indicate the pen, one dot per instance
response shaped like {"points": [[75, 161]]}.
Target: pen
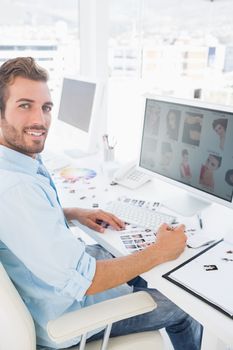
{"points": [[106, 142], [200, 221], [112, 142]]}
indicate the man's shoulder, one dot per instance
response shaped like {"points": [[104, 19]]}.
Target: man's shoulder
{"points": [[11, 179]]}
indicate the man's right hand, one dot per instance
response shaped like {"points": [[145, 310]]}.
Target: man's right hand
{"points": [[110, 273], [170, 242]]}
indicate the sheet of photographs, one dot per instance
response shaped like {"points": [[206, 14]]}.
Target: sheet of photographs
{"points": [[151, 205], [136, 238]]}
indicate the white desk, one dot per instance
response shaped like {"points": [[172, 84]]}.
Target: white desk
{"points": [[219, 221]]}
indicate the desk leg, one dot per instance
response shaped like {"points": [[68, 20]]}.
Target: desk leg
{"points": [[210, 341]]}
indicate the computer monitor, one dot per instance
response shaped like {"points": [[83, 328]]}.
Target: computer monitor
{"points": [[81, 106], [189, 144]]}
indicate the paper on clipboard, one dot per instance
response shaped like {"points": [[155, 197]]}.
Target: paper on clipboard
{"points": [[209, 276]]}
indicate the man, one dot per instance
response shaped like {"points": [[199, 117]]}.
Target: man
{"points": [[52, 270]]}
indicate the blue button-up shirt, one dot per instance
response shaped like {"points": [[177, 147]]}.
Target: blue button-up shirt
{"points": [[48, 265]]}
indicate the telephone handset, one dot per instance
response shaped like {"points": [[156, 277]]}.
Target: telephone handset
{"points": [[129, 176]]}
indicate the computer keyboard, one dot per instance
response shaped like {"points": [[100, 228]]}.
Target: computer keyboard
{"points": [[139, 216]]}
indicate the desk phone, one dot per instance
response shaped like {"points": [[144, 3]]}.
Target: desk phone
{"points": [[130, 177]]}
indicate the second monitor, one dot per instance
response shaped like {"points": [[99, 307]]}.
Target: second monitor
{"points": [[81, 106], [190, 145]]}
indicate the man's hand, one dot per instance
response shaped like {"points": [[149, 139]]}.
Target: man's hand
{"points": [[110, 273], [93, 218], [170, 241]]}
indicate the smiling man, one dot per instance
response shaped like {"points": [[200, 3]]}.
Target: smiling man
{"points": [[25, 121], [53, 271]]}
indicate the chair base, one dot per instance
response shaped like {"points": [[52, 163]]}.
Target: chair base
{"points": [[137, 341]]}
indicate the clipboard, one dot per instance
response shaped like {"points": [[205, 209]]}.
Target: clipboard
{"points": [[208, 276]]}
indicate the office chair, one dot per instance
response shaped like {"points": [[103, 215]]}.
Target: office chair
{"points": [[17, 331]]}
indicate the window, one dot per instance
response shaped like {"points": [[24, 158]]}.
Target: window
{"points": [[178, 46], [46, 30], [174, 34]]}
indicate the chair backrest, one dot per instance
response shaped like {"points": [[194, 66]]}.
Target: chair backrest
{"points": [[17, 330]]}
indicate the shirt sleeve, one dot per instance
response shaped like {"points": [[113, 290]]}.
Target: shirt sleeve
{"points": [[33, 228]]}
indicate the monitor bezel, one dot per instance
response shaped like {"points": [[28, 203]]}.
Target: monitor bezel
{"points": [[198, 193]]}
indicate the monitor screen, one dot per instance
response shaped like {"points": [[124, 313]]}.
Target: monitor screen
{"points": [[76, 103], [81, 109], [189, 143]]}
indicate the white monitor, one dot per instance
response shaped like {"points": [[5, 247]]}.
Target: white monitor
{"points": [[189, 144], [81, 106]]}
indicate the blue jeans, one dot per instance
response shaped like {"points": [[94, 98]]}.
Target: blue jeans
{"points": [[184, 332]]}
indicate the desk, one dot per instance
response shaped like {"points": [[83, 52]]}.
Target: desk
{"points": [[219, 221]]}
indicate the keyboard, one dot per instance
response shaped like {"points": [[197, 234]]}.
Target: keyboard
{"points": [[139, 216]]}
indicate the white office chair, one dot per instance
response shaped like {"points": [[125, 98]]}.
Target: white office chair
{"points": [[17, 331]]}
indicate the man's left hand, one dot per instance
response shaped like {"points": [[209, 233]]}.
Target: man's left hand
{"points": [[93, 218]]}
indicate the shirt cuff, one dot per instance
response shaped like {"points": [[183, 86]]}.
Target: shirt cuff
{"points": [[79, 280]]}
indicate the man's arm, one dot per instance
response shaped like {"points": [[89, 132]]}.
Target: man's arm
{"points": [[111, 273]]}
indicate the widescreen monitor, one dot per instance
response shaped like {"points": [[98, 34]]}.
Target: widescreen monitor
{"points": [[80, 107], [190, 145]]}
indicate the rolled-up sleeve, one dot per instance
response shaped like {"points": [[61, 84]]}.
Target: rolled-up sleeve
{"points": [[80, 279], [34, 230]]}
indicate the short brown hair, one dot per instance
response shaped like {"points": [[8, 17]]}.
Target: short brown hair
{"points": [[25, 67], [221, 121]]}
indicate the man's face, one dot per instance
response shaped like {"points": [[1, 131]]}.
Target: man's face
{"points": [[27, 116]]}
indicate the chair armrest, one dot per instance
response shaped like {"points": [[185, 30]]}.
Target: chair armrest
{"points": [[99, 315]]}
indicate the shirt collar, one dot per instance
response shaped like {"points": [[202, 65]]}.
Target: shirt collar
{"points": [[18, 161]]}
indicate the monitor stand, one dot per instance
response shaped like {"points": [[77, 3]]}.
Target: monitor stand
{"points": [[186, 204], [76, 153], [87, 150]]}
